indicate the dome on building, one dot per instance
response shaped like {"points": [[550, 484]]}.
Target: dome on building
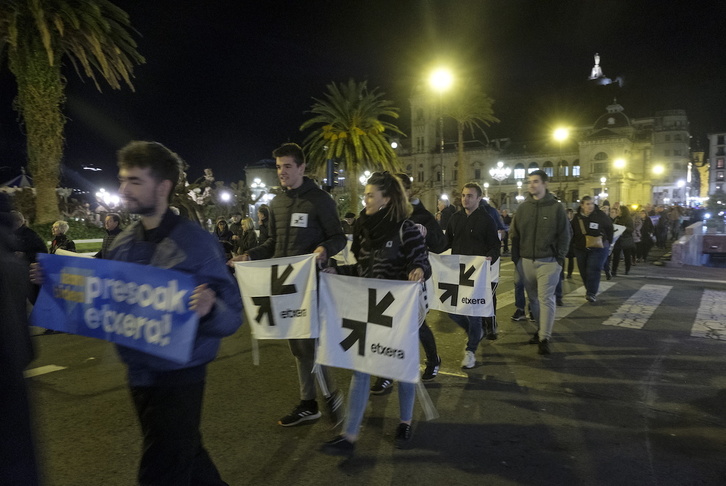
{"points": [[614, 118]]}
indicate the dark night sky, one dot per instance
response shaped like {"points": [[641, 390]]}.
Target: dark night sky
{"points": [[225, 82]]}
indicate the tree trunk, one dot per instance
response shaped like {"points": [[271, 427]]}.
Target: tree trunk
{"points": [[39, 102]]}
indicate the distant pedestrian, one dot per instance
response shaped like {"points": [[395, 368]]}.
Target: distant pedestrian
{"points": [[27, 243], [263, 220], [625, 243], [249, 236], [347, 223], [60, 239], [590, 221], [540, 239], [222, 231], [445, 211], [112, 224]]}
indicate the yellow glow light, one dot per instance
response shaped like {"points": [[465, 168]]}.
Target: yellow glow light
{"points": [[658, 169], [561, 134], [441, 80], [619, 163]]}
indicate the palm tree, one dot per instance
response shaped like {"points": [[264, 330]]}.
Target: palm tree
{"points": [[38, 35], [349, 129], [471, 108]]}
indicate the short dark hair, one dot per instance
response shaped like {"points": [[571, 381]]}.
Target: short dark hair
{"points": [[115, 217], [163, 163], [542, 175], [475, 186], [290, 150]]}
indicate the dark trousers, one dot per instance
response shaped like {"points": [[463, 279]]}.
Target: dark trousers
{"points": [[627, 256], [590, 262], [428, 342], [17, 454], [173, 454]]}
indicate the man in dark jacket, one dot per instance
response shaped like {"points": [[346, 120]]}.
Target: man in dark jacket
{"points": [[17, 453], [168, 396], [303, 219], [472, 231], [27, 242], [540, 239], [112, 223]]}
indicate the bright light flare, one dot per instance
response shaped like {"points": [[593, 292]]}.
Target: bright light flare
{"points": [[225, 196], [658, 169], [561, 134], [441, 80], [619, 163]]}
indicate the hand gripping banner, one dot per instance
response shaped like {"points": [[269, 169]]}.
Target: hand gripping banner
{"points": [[370, 325], [279, 297], [462, 285], [137, 306]]}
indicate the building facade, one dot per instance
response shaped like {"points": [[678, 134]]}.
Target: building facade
{"points": [[630, 160], [716, 159]]}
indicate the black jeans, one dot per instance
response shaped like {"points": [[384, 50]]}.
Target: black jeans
{"points": [[173, 452], [428, 342]]}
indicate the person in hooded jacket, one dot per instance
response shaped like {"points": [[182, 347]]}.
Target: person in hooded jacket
{"points": [[386, 245], [590, 221], [626, 242]]}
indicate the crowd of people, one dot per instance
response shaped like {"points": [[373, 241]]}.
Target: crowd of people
{"points": [[391, 239]]}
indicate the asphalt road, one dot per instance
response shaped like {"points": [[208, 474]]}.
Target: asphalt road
{"points": [[632, 394]]}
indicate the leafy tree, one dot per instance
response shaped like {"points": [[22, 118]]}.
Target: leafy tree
{"points": [[349, 128], [94, 35], [471, 108]]}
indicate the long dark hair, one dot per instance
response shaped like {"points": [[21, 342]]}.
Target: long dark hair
{"points": [[399, 208]]}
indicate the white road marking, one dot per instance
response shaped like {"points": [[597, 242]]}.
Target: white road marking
{"points": [[636, 311], [711, 317], [42, 370], [576, 299]]}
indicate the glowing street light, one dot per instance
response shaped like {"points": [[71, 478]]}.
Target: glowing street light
{"points": [[499, 173], [603, 194], [363, 179], [619, 164], [486, 190], [658, 169], [441, 80], [225, 196], [519, 197]]}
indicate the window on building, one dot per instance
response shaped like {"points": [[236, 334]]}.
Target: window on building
{"points": [[438, 176], [421, 177], [719, 187], [477, 174], [563, 169], [576, 169], [519, 171], [549, 169], [601, 156], [720, 140], [667, 153], [719, 163], [667, 138], [456, 174], [676, 152], [719, 175], [600, 167], [677, 137], [533, 166]]}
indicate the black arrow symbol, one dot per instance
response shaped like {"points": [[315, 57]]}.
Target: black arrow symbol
{"points": [[277, 284], [464, 275], [450, 291], [265, 305], [376, 309], [358, 334]]}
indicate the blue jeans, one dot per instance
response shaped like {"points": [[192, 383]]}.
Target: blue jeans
{"points": [[358, 394], [473, 326], [590, 263], [519, 300]]}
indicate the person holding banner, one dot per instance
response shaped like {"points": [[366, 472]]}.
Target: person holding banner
{"points": [[303, 219], [541, 236], [168, 396], [386, 245], [472, 231]]}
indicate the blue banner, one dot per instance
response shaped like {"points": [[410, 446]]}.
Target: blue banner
{"points": [[138, 306]]}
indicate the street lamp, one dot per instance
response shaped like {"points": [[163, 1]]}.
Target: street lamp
{"points": [[441, 80], [603, 194], [519, 198], [364, 178], [486, 191], [499, 173], [560, 135]]}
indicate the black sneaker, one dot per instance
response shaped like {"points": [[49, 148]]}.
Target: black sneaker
{"points": [[334, 404], [382, 385], [403, 436], [544, 346], [531, 317], [518, 315], [590, 298], [339, 446], [301, 413], [432, 369], [534, 339], [492, 336]]}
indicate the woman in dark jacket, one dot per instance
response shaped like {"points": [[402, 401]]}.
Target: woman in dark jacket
{"points": [[60, 240], [626, 243], [590, 221], [647, 231], [249, 237], [263, 218], [222, 231], [386, 245]]}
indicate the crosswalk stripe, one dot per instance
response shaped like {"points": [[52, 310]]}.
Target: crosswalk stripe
{"points": [[42, 370], [576, 299], [636, 311], [711, 317]]}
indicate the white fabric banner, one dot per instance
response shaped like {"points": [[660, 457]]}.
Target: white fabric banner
{"points": [[280, 297], [369, 325], [462, 285]]}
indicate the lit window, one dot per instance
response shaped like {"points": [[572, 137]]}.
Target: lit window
{"points": [[719, 175], [532, 167], [519, 172], [719, 163], [576, 170]]}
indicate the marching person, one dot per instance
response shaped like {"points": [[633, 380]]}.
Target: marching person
{"points": [[540, 238], [472, 231], [590, 221], [386, 245], [60, 239], [112, 224], [303, 219], [168, 396], [626, 243]]}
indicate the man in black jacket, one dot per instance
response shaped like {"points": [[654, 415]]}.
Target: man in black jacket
{"points": [[27, 242], [112, 223], [303, 219], [472, 231]]}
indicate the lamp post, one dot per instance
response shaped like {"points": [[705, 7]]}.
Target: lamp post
{"points": [[560, 135], [603, 194], [520, 198], [499, 173], [486, 191], [441, 80]]}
